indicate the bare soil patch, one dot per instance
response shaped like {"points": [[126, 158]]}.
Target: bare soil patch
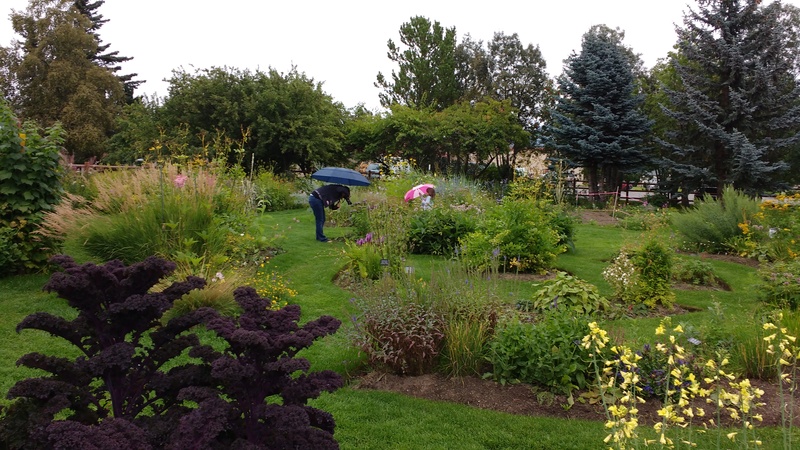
{"points": [[523, 399], [598, 216]]}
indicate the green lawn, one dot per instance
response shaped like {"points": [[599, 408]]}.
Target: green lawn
{"points": [[379, 420]]}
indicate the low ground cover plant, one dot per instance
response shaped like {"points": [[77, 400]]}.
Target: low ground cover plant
{"points": [[132, 389], [565, 292]]}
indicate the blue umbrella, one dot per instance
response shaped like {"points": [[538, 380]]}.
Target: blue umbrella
{"points": [[340, 175]]}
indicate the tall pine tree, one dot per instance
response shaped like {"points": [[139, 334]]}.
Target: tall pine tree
{"points": [[102, 56], [596, 122], [735, 104]]}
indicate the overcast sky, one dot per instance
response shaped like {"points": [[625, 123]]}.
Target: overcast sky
{"points": [[343, 44]]}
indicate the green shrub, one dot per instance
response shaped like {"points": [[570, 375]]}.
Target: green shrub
{"points": [[642, 275], [780, 284], [518, 232], [547, 353], [713, 224], [643, 219], [364, 257], [566, 292], [274, 193], [437, 231], [695, 272], [30, 186]]}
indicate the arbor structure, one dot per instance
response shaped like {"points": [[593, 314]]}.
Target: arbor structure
{"points": [[426, 77], [735, 102], [596, 121], [53, 78]]}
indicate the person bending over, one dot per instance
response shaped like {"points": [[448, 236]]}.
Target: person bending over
{"points": [[327, 196]]}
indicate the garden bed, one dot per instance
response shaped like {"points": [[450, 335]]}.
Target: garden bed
{"points": [[523, 399]]}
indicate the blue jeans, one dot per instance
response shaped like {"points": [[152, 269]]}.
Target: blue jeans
{"points": [[319, 216]]}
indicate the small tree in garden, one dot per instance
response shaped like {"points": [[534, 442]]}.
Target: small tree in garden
{"points": [[126, 390]]}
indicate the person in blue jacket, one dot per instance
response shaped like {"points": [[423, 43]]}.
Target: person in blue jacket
{"points": [[329, 195]]}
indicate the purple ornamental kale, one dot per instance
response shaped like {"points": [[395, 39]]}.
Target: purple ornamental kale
{"points": [[124, 347], [259, 363]]}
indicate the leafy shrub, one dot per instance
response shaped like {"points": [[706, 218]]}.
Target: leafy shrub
{"points": [[566, 292], [643, 219], [548, 353], [364, 257], [519, 230], [780, 284], [713, 224], [128, 387], [30, 185], [437, 231], [274, 193], [695, 272], [643, 275]]}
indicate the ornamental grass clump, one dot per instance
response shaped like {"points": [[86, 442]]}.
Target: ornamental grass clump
{"points": [[133, 387], [712, 225]]}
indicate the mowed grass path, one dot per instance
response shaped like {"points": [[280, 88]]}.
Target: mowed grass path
{"points": [[366, 419]]}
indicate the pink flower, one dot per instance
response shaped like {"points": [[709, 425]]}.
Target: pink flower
{"points": [[180, 180]]}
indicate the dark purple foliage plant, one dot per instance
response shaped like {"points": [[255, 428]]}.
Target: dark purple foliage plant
{"points": [[265, 386], [127, 391]]}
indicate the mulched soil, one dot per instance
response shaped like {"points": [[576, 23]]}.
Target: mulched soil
{"points": [[523, 399]]}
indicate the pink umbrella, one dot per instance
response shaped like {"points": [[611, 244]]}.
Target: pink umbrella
{"points": [[418, 191]]}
